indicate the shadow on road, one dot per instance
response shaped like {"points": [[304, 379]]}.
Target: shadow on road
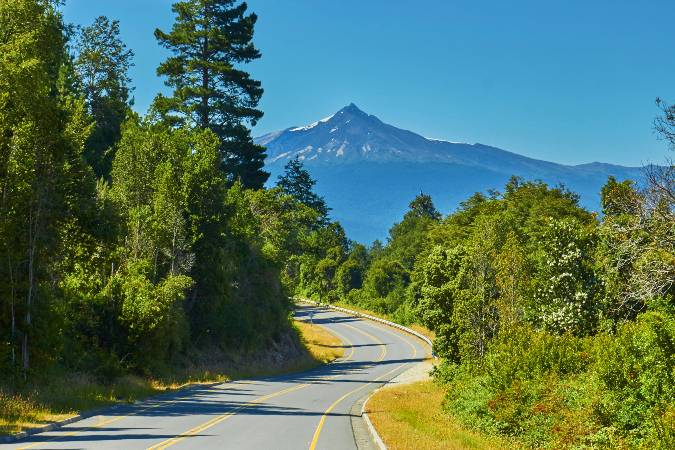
{"points": [[232, 397]]}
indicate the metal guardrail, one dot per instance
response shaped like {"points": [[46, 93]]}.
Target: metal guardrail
{"points": [[375, 319]]}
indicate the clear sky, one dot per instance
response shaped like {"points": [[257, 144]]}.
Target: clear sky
{"points": [[571, 81]]}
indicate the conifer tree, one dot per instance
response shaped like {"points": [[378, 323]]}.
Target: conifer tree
{"points": [[298, 183], [209, 40]]}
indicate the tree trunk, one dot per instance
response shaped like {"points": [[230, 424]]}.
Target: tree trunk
{"points": [[205, 97], [173, 247], [32, 241], [12, 309]]}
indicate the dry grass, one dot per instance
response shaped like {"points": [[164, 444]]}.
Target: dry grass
{"points": [[411, 417], [63, 397], [323, 346], [64, 394], [424, 331]]}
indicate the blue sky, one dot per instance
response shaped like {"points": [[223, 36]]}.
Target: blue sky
{"points": [[569, 81]]}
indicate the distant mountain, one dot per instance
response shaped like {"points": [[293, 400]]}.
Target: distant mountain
{"points": [[369, 170]]}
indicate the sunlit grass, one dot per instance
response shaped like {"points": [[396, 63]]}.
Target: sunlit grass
{"points": [[411, 417], [323, 346], [62, 397]]}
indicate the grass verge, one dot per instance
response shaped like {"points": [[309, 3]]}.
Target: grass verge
{"points": [[411, 417], [59, 394], [323, 346]]}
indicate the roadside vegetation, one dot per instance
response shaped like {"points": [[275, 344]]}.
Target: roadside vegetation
{"points": [[139, 253], [555, 325], [412, 416], [323, 346]]}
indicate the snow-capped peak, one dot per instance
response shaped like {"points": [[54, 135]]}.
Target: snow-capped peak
{"points": [[351, 135]]}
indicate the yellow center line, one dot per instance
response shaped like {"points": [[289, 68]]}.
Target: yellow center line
{"points": [[397, 335], [347, 342], [383, 350], [317, 433], [221, 418], [205, 425]]}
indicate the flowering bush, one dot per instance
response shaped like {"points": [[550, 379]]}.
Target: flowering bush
{"points": [[565, 284]]}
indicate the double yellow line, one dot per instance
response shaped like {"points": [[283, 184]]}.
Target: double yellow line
{"points": [[222, 418], [322, 422]]}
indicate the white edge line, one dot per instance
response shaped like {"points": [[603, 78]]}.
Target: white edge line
{"points": [[371, 428], [377, 439]]}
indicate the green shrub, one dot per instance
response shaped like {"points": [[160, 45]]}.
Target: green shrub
{"points": [[549, 391], [637, 372], [523, 354]]}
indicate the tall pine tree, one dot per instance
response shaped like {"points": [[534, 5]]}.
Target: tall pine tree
{"points": [[209, 40]]}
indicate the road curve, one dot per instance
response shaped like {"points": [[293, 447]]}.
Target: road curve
{"points": [[310, 410]]}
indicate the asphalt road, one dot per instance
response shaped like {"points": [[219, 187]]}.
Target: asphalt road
{"points": [[310, 410]]}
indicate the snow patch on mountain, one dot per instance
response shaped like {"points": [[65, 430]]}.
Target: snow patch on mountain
{"points": [[313, 124], [351, 136], [445, 140]]}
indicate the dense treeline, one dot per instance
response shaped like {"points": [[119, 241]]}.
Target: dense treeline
{"points": [[555, 325], [125, 241]]}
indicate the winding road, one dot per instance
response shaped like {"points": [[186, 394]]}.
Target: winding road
{"points": [[310, 410]]}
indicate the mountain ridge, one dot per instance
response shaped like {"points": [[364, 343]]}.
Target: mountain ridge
{"points": [[279, 150], [369, 170]]}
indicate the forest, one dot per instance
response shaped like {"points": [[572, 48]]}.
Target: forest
{"points": [[128, 241]]}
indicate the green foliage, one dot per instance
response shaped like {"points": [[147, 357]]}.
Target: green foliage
{"points": [[636, 250], [407, 238], [607, 391], [165, 253], [385, 271], [535, 304], [434, 288], [565, 286], [152, 314], [636, 369], [44, 183], [556, 326], [102, 64], [349, 276]]}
